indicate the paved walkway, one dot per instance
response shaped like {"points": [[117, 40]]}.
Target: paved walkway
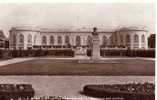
{"points": [[141, 58], [14, 60], [17, 60]]}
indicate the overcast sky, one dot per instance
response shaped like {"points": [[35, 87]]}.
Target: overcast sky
{"points": [[77, 15]]}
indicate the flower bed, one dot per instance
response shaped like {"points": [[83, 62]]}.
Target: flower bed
{"points": [[130, 91]]}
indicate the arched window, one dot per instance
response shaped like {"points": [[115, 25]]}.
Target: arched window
{"points": [[143, 38], [89, 41], [35, 37], [121, 39], [51, 40], [14, 39], [21, 38], [104, 41], [29, 38], [136, 38], [78, 41], [59, 40], [44, 40], [67, 39], [128, 38]]}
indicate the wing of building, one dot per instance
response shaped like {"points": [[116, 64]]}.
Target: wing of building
{"points": [[42, 38], [3, 41]]}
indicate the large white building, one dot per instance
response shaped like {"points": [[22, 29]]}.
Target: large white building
{"points": [[35, 38]]}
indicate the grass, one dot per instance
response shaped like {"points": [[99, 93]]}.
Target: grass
{"points": [[71, 67]]}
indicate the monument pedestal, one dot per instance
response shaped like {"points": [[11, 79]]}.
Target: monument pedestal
{"points": [[95, 48]]}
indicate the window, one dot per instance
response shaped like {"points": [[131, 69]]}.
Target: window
{"points": [[29, 38], [21, 38], [89, 41], [121, 39], [59, 40], [35, 37], [104, 40], [67, 39], [127, 38], [136, 38], [51, 40], [78, 41], [44, 40], [143, 38]]}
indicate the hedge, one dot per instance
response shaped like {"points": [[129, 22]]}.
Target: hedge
{"points": [[70, 52], [140, 53], [36, 53], [129, 53]]}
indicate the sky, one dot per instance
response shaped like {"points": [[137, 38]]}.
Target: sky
{"points": [[78, 15]]}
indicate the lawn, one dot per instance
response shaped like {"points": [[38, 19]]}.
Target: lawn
{"points": [[71, 67]]}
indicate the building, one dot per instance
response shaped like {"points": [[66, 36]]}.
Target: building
{"points": [[40, 38], [4, 44]]}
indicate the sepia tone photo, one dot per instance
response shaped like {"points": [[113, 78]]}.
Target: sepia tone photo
{"points": [[77, 51]]}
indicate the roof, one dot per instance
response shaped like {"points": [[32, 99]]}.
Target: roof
{"points": [[132, 29], [75, 30], [70, 29]]}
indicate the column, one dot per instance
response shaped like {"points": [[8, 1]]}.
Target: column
{"points": [[48, 39], [63, 39], [55, 39], [146, 41], [17, 40], [101, 39], [118, 38], [124, 39], [140, 41], [72, 40], [108, 39], [83, 40], [25, 40], [131, 41]]}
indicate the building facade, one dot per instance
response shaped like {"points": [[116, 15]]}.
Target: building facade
{"points": [[25, 38]]}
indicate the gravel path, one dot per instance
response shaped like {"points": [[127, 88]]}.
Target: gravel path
{"points": [[70, 86]]}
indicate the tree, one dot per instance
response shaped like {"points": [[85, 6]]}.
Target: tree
{"points": [[151, 41]]}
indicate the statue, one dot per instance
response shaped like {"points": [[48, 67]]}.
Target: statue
{"points": [[80, 52], [95, 47], [94, 33]]}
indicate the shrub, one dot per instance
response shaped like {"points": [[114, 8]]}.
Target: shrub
{"points": [[140, 53], [70, 52], [129, 53], [89, 52], [4, 54], [140, 92], [38, 53]]}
